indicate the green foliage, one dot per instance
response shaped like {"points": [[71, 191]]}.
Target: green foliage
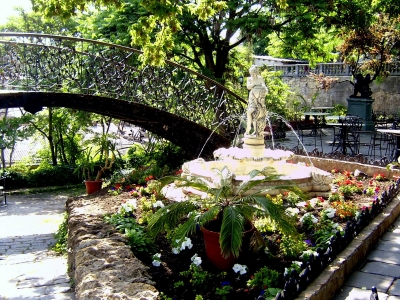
{"points": [[164, 159], [52, 175], [198, 278], [58, 175], [223, 291], [264, 278], [324, 231], [140, 243], [335, 196], [278, 92], [292, 198], [61, 236], [292, 247], [270, 293], [339, 110], [230, 209]]}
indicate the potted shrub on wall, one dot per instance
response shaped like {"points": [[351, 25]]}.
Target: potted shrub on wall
{"points": [[87, 168], [222, 211]]}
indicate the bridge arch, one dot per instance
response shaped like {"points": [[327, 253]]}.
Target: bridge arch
{"points": [[180, 105], [190, 136]]}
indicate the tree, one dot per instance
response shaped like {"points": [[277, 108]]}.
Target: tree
{"points": [[13, 129], [35, 22], [203, 32], [63, 129], [368, 49]]}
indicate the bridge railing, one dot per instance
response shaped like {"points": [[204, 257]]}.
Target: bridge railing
{"points": [[41, 62], [328, 69]]}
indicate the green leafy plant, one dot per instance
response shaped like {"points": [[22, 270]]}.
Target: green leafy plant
{"points": [[264, 278], [270, 293], [292, 247], [87, 164], [61, 237], [140, 243], [199, 278], [223, 291], [228, 206]]}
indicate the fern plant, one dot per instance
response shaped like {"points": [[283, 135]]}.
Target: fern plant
{"points": [[232, 207]]}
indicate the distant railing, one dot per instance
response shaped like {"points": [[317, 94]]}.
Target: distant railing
{"points": [[329, 69]]}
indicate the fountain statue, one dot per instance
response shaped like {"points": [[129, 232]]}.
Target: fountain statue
{"points": [[254, 156]]}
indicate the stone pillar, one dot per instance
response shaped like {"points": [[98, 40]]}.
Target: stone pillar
{"points": [[361, 107]]}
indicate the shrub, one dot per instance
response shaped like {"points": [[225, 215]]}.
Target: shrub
{"points": [[52, 175], [264, 278], [44, 176]]}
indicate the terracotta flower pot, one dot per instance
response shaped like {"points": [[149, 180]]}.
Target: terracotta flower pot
{"points": [[93, 186], [213, 249]]}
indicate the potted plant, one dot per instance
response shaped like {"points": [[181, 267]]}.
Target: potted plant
{"points": [[222, 210], [87, 168]]}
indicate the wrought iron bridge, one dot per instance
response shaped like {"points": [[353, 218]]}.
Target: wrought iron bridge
{"points": [[174, 102]]}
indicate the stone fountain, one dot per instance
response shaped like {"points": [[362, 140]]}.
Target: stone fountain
{"points": [[254, 156]]}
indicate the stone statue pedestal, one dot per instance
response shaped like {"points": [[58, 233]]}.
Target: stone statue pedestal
{"points": [[254, 145], [362, 107]]}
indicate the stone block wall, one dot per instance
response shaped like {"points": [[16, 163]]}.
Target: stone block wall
{"points": [[386, 93]]}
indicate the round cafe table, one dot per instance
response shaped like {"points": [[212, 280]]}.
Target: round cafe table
{"points": [[316, 115], [344, 132]]}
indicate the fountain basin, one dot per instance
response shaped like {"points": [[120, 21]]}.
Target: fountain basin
{"points": [[307, 178]]}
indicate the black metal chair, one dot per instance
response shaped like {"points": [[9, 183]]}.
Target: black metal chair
{"points": [[347, 135], [375, 143], [309, 131]]}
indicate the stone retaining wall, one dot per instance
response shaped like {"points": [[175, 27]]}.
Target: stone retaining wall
{"points": [[101, 265], [386, 93]]}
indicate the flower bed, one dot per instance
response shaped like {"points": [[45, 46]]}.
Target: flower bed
{"points": [[326, 224]]}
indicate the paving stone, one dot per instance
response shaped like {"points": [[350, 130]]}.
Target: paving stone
{"points": [[57, 289], [26, 293], [365, 280], [391, 246], [353, 293], [381, 268], [391, 236], [63, 296], [395, 288], [384, 256], [37, 274]]}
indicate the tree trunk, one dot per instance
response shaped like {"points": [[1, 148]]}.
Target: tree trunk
{"points": [[50, 138]]}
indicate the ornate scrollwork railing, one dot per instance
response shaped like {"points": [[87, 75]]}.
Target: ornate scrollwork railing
{"points": [[41, 62]]}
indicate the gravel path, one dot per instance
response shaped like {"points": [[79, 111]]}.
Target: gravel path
{"points": [[28, 270]]}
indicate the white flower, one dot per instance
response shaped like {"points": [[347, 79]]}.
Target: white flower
{"points": [[156, 259], [292, 211], [176, 250], [330, 212], [158, 204], [128, 206], [308, 253], [312, 202], [286, 272], [242, 269], [301, 204], [187, 242], [297, 262], [309, 216], [196, 260], [156, 263]]}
